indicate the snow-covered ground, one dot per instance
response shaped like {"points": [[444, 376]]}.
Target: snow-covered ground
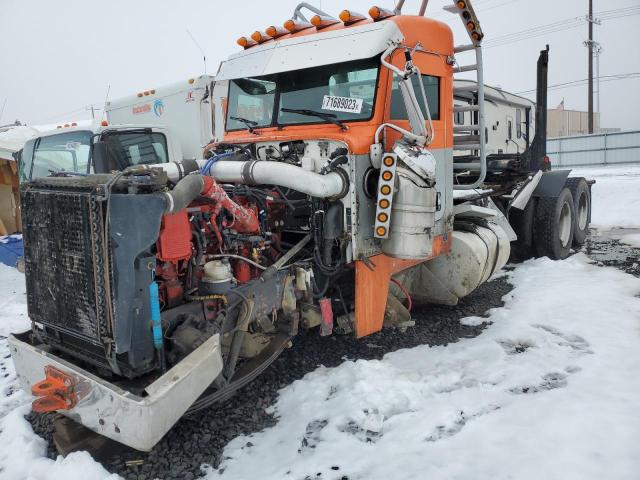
{"points": [[616, 195], [550, 389]]}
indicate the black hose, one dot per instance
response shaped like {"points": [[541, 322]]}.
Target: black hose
{"points": [[185, 192]]}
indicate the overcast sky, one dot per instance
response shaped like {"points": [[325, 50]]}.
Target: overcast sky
{"points": [[59, 57]]}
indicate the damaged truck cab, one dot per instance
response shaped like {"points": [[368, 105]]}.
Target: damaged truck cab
{"points": [[158, 290]]}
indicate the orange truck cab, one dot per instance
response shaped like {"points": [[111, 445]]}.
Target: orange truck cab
{"points": [[333, 83]]}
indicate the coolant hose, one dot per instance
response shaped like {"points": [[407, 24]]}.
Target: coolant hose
{"points": [[185, 192]]}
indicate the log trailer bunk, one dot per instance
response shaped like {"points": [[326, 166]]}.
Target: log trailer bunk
{"points": [[156, 291]]}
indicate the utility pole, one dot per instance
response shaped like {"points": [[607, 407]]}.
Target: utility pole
{"points": [[597, 51], [590, 45], [590, 66]]}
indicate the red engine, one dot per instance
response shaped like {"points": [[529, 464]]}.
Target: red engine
{"points": [[221, 224]]}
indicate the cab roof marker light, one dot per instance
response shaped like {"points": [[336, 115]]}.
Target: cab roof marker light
{"points": [[246, 42], [260, 37], [379, 13], [350, 17], [295, 26], [275, 32], [323, 21], [470, 19]]}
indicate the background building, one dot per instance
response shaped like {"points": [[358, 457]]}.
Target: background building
{"points": [[566, 123]]}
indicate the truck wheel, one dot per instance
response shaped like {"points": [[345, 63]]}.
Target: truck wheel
{"points": [[554, 225], [582, 204], [522, 223]]}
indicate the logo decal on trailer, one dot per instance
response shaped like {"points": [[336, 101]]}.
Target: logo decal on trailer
{"points": [[141, 109], [158, 108]]}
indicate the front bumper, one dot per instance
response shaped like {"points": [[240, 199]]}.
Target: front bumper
{"points": [[136, 421]]}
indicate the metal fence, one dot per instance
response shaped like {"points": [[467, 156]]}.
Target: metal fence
{"points": [[596, 149]]}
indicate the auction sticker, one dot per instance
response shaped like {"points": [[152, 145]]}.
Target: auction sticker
{"points": [[342, 104]]}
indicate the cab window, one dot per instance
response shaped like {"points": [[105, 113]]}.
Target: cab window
{"points": [[431, 90], [136, 148]]}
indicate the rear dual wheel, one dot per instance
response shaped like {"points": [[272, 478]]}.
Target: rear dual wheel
{"points": [[582, 204], [554, 225]]}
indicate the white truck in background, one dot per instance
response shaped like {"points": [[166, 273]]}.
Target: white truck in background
{"points": [[190, 109], [168, 124], [70, 149]]}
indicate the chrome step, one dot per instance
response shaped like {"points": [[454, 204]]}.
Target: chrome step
{"points": [[466, 146], [466, 108], [463, 48], [461, 139], [465, 88], [466, 128], [466, 68]]}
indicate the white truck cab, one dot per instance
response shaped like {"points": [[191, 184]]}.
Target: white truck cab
{"points": [[188, 108], [70, 149]]}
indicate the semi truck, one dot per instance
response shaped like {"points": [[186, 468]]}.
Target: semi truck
{"points": [[333, 196], [190, 109]]}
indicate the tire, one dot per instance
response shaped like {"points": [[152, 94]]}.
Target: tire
{"points": [[554, 226], [582, 203], [522, 223]]}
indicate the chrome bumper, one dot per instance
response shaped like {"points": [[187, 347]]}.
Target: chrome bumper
{"points": [[139, 422]]}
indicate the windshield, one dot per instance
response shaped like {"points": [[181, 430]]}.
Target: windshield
{"points": [[343, 92], [136, 147], [66, 152], [70, 152]]}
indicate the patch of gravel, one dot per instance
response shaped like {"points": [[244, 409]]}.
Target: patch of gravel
{"points": [[611, 252], [200, 439]]}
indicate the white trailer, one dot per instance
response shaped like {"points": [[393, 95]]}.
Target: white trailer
{"points": [[187, 108], [509, 118]]}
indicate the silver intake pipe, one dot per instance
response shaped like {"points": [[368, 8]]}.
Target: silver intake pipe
{"points": [[331, 185]]}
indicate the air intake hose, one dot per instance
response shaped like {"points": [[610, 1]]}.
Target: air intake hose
{"points": [[185, 192]]}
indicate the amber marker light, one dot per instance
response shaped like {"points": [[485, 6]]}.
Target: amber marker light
{"points": [[246, 42], [275, 32], [294, 26], [388, 161], [386, 176], [381, 231], [385, 189], [349, 17], [260, 37], [384, 203], [383, 217], [378, 13], [323, 21]]}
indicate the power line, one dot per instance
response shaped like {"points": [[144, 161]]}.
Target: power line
{"points": [[580, 83], [566, 24]]}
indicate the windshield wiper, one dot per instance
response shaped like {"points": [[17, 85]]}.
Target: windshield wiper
{"points": [[249, 123], [329, 117]]}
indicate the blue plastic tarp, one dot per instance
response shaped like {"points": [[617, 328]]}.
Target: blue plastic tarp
{"points": [[10, 249]]}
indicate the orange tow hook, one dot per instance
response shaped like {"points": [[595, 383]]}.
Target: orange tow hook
{"points": [[55, 392]]}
